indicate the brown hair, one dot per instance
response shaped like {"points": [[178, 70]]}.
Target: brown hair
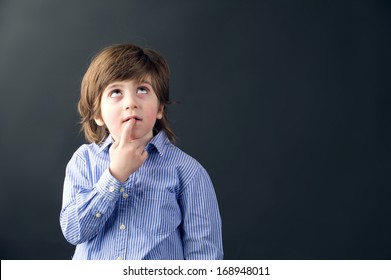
{"points": [[119, 63]]}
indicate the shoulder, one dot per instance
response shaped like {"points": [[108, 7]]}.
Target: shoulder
{"points": [[85, 152], [180, 157], [94, 150], [186, 166]]}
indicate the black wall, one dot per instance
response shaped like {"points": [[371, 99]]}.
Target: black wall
{"points": [[285, 103]]}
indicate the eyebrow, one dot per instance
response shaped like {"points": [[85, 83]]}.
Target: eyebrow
{"points": [[146, 82], [114, 86], [117, 85]]}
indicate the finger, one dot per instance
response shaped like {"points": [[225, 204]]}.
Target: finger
{"points": [[144, 155], [114, 144], [127, 131]]}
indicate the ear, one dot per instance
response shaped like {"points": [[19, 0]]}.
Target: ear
{"points": [[99, 121], [159, 115]]}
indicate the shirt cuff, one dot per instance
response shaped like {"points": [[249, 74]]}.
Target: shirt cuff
{"points": [[108, 186]]}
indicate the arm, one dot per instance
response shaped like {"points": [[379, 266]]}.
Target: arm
{"points": [[201, 226], [86, 207]]}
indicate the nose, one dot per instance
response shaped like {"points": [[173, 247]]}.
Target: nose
{"points": [[130, 102]]}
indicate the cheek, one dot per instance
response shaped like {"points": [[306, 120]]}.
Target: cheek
{"points": [[109, 120], [151, 115], [110, 116]]}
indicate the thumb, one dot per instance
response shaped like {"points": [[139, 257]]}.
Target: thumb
{"points": [[113, 148], [144, 154], [114, 144]]}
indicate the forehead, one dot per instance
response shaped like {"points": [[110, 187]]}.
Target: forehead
{"points": [[137, 77]]}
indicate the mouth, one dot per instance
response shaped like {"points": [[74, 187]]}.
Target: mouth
{"points": [[136, 118]]}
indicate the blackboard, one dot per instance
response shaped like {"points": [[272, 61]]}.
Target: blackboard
{"points": [[285, 103]]}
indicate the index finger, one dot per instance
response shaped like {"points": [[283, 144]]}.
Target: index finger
{"points": [[127, 131]]}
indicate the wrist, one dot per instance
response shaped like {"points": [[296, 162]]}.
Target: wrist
{"points": [[117, 175]]}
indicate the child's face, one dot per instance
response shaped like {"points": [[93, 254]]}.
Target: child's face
{"points": [[127, 99]]}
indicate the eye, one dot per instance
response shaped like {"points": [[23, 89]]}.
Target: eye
{"points": [[142, 90], [115, 93]]}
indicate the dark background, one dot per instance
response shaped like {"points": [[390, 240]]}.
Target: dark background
{"points": [[285, 103]]}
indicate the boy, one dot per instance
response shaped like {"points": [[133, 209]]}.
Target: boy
{"points": [[130, 193]]}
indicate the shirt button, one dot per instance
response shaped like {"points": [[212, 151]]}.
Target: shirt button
{"points": [[111, 189], [125, 195], [98, 215], [119, 258], [122, 227], [122, 190]]}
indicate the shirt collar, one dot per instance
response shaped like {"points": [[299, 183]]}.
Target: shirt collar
{"points": [[107, 143], [159, 142]]}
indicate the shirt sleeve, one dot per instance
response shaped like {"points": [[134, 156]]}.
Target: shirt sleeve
{"points": [[201, 226], [86, 206]]}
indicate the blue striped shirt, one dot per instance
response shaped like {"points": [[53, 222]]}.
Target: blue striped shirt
{"points": [[167, 209]]}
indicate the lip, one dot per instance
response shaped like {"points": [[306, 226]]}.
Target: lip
{"points": [[137, 118]]}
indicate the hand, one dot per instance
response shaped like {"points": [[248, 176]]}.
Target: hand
{"points": [[126, 155]]}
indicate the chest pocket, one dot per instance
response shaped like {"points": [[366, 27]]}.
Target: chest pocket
{"points": [[156, 211]]}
